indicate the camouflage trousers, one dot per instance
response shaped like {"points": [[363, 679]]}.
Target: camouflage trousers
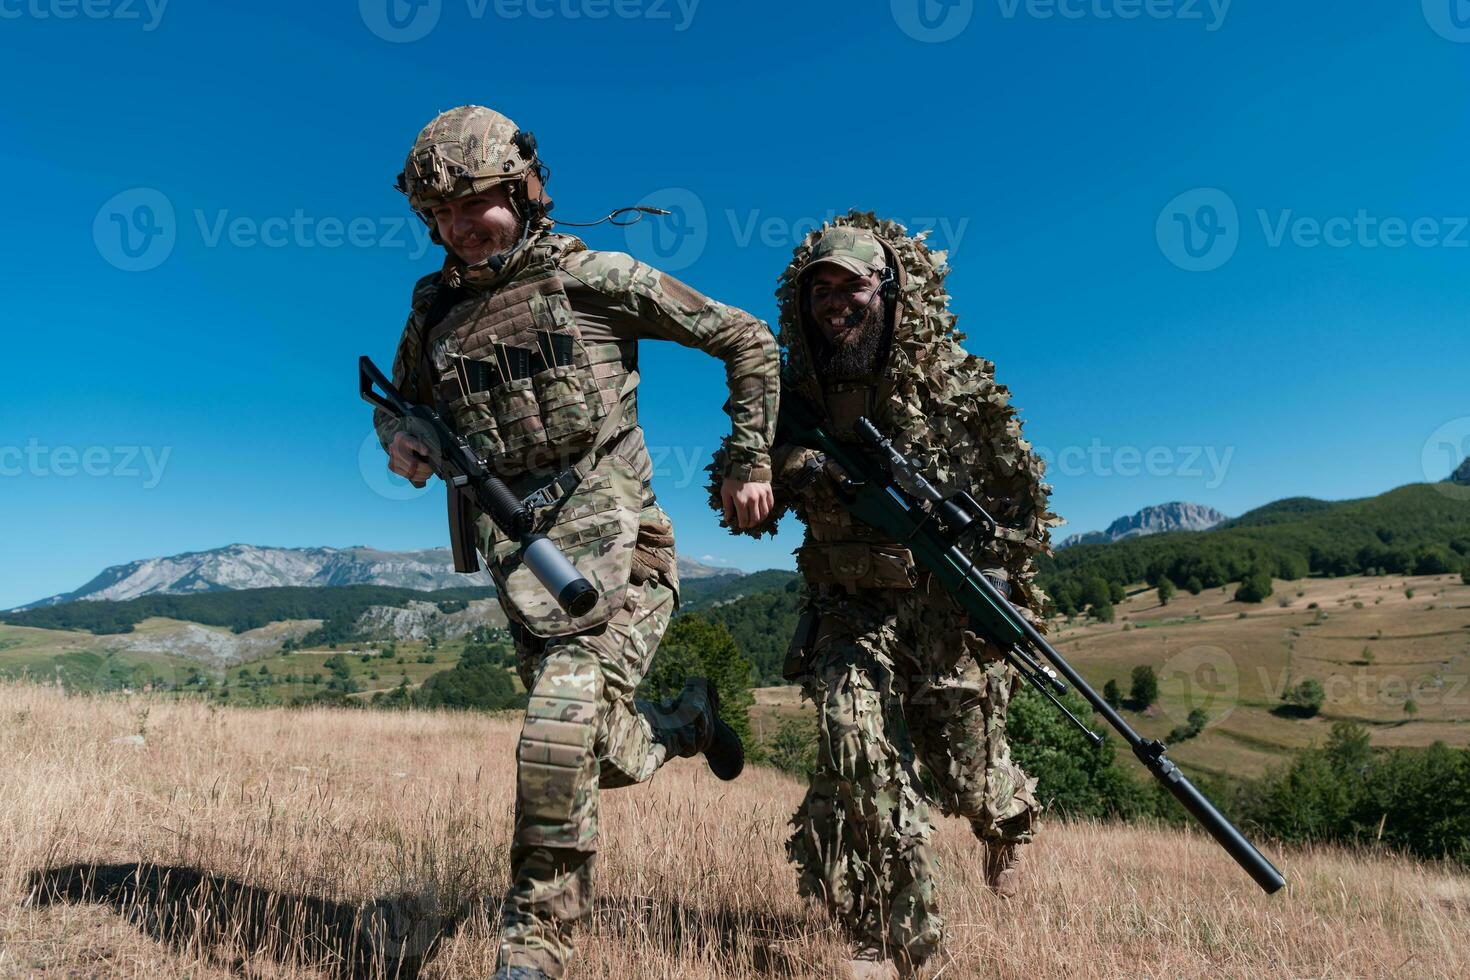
{"points": [[900, 686], [583, 732]]}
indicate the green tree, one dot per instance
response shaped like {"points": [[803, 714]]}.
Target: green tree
{"points": [[1255, 587], [1103, 613], [1193, 585], [1166, 591], [477, 682], [337, 664], [1144, 690], [696, 647], [1074, 778], [793, 749], [1306, 698], [1112, 695]]}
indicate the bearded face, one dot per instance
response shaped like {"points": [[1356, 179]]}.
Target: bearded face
{"points": [[475, 228], [849, 312]]}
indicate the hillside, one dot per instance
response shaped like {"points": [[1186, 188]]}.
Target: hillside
{"points": [[1371, 646], [247, 842], [1420, 529]]}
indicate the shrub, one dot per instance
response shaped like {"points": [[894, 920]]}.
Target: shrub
{"points": [[1144, 690], [793, 749], [1255, 587], [1305, 698]]}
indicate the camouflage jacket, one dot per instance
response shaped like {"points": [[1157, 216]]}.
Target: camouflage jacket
{"points": [[613, 301], [935, 401]]}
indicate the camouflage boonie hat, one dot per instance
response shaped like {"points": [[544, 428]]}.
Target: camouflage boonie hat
{"points": [[465, 151], [855, 249]]}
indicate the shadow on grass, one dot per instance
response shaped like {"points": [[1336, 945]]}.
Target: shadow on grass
{"points": [[775, 945], [227, 919], [1294, 711]]}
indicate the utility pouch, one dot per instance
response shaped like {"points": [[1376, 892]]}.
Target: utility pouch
{"points": [[596, 527], [800, 647]]}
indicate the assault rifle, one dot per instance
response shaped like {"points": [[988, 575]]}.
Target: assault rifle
{"points": [[882, 488], [458, 465]]}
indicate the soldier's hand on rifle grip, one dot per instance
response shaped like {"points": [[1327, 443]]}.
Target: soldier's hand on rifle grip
{"points": [[409, 458], [746, 503]]}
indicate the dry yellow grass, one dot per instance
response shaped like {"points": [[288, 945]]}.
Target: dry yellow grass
{"points": [[244, 842]]}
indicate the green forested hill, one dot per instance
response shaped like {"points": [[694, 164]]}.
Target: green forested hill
{"points": [[762, 625], [702, 593], [1420, 529]]}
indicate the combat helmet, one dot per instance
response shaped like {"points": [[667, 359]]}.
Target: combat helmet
{"points": [[467, 151]]}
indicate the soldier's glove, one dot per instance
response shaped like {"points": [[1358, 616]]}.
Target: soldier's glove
{"points": [[797, 469], [653, 554]]}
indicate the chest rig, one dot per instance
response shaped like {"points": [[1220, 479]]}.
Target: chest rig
{"points": [[512, 371], [839, 549]]}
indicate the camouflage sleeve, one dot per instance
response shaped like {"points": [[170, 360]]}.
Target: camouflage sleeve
{"points": [[408, 360], [666, 309]]}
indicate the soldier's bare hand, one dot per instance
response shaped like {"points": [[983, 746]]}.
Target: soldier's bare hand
{"points": [[409, 458], [746, 502]]}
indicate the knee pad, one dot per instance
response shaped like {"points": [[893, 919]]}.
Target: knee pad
{"points": [[557, 773]]}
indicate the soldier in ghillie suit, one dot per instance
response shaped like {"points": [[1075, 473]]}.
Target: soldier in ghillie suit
{"points": [[898, 680], [528, 343]]}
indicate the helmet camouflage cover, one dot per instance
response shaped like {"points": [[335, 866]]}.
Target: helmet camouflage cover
{"points": [[467, 151], [938, 401]]}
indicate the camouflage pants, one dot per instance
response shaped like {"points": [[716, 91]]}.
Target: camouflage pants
{"points": [[583, 732], [899, 684]]}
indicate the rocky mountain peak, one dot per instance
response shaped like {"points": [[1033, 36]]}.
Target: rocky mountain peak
{"points": [[1173, 516]]}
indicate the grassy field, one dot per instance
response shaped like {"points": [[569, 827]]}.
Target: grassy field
{"points": [[88, 662], [1371, 646], [272, 843]]}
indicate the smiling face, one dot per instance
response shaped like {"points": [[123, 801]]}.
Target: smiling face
{"points": [[840, 300], [851, 316], [477, 227]]}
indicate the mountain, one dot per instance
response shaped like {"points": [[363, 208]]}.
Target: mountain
{"points": [[1462, 475], [244, 566], [1176, 516], [689, 569]]}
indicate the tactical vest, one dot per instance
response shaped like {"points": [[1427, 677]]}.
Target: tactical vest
{"points": [[516, 378]]}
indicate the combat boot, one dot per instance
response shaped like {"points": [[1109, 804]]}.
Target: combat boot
{"points": [[519, 973], [1003, 861], [690, 725], [871, 963]]}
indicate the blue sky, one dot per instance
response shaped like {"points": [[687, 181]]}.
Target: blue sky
{"points": [[203, 237]]}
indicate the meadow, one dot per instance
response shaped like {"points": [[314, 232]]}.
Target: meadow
{"points": [[147, 837]]}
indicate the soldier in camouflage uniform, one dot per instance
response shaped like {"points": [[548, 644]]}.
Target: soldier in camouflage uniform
{"points": [[899, 682], [529, 344]]}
